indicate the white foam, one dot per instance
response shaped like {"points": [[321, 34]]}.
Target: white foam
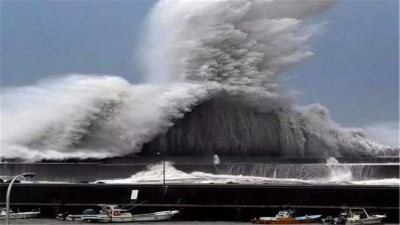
{"points": [[50, 120], [154, 175], [338, 172]]}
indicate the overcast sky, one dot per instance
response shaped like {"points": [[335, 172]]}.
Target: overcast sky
{"points": [[354, 72]]}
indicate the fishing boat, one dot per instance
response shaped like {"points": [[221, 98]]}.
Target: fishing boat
{"points": [[360, 216], [287, 217], [111, 213], [18, 215], [355, 216]]}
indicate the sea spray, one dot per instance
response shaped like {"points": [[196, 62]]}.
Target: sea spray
{"points": [[154, 175], [238, 47], [90, 116], [338, 172], [237, 43], [194, 52]]}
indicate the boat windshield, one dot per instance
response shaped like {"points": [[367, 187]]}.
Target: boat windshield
{"points": [[359, 212]]}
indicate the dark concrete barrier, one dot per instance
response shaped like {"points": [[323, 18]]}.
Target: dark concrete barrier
{"points": [[209, 202]]}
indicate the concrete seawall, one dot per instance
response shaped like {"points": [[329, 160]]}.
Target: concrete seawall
{"points": [[208, 202]]}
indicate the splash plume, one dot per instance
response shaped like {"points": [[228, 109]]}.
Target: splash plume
{"points": [[226, 54]]}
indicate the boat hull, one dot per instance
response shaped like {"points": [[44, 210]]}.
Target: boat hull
{"points": [[284, 221], [157, 216], [107, 219], [367, 221], [151, 218], [26, 215]]}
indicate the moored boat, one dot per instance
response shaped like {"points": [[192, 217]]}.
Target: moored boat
{"points": [[18, 215], [360, 216], [355, 216], [157, 216], [111, 213], [287, 217]]}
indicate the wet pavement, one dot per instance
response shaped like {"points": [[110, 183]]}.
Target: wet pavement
{"points": [[54, 221]]}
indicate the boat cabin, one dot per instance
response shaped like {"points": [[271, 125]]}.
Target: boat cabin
{"points": [[357, 212], [360, 216], [285, 214], [111, 210], [3, 211]]}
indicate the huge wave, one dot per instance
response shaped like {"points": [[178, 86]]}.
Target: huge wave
{"points": [[210, 64]]}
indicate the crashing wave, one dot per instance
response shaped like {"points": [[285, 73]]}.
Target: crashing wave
{"points": [[89, 117], [214, 88], [99, 117], [230, 126]]}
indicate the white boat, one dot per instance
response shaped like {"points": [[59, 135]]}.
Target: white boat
{"points": [[111, 213], [18, 215], [157, 216], [355, 216], [287, 217], [358, 216]]}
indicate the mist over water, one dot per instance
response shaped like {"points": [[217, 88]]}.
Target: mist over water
{"points": [[194, 53]]}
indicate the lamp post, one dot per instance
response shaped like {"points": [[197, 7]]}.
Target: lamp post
{"points": [[26, 176]]}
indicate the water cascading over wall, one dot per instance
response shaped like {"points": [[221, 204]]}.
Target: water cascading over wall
{"points": [[228, 126]]}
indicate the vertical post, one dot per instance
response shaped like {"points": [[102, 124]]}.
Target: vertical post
{"points": [[26, 175], [8, 200], [164, 171]]}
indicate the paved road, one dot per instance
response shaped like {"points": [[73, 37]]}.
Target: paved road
{"points": [[56, 222]]}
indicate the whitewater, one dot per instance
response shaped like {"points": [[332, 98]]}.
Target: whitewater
{"points": [[192, 53], [339, 175]]}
